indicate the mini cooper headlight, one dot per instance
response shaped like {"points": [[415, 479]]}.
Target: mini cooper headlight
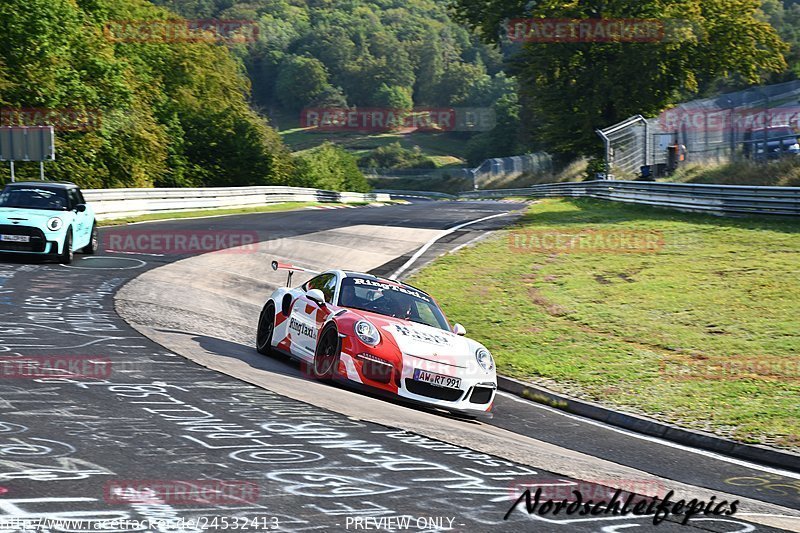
{"points": [[54, 224], [367, 333], [485, 359]]}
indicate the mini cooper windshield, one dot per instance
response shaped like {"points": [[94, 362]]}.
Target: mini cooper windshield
{"points": [[34, 198], [389, 299]]}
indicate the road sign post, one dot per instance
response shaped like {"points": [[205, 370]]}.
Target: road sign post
{"points": [[27, 143]]}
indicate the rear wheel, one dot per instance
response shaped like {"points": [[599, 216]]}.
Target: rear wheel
{"points": [[266, 327], [327, 355], [66, 255]]}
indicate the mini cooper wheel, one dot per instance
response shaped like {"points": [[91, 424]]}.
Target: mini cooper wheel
{"points": [[326, 356], [66, 255], [94, 242], [266, 327]]}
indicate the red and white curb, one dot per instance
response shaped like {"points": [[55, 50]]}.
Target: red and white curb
{"points": [[345, 206]]}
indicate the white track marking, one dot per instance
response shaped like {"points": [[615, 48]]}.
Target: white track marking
{"points": [[470, 242], [766, 514], [132, 253], [431, 242], [142, 263], [657, 440]]}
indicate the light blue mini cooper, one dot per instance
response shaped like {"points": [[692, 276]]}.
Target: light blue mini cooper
{"points": [[46, 218]]}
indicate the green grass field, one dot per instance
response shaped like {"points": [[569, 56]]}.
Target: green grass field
{"points": [[702, 329], [445, 149], [285, 206]]}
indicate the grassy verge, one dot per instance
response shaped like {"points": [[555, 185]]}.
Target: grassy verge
{"points": [[286, 206], [700, 330], [781, 173]]}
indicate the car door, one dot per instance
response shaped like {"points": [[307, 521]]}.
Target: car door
{"points": [[307, 317], [81, 226]]}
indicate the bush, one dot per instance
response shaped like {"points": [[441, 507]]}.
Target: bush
{"points": [[329, 167], [784, 172], [395, 156]]}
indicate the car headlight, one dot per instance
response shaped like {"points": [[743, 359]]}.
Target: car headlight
{"points": [[794, 147], [54, 224], [367, 333], [485, 359]]}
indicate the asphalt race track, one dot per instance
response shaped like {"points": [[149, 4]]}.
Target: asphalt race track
{"points": [[283, 452]]}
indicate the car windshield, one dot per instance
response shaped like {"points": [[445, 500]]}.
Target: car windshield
{"points": [[774, 133], [34, 198], [391, 299]]}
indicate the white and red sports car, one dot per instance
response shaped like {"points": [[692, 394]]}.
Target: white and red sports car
{"points": [[379, 333]]}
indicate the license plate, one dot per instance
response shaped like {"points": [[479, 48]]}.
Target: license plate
{"points": [[15, 238], [437, 379]]}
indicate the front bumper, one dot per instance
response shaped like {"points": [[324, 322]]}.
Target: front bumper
{"points": [[474, 396], [38, 242], [476, 393]]}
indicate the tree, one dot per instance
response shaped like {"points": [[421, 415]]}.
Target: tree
{"points": [[430, 70], [574, 88], [460, 81], [330, 167], [330, 98], [785, 18], [393, 98], [301, 79], [504, 139]]}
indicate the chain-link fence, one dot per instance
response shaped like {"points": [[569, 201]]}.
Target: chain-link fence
{"points": [[626, 145], [760, 122]]}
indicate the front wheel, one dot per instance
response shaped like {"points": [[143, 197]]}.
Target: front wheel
{"points": [[266, 327], [94, 242], [66, 255], [326, 356]]}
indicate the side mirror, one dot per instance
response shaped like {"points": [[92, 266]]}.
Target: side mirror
{"points": [[80, 208], [458, 329], [316, 296]]}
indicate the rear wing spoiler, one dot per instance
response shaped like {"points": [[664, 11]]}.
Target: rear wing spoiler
{"points": [[276, 265]]}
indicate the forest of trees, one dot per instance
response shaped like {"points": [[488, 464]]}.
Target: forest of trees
{"points": [[370, 53], [359, 53], [166, 114], [171, 114]]}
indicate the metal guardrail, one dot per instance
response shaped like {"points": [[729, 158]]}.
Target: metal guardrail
{"points": [[115, 203], [484, 175], [718, 199], [417, 194]]}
